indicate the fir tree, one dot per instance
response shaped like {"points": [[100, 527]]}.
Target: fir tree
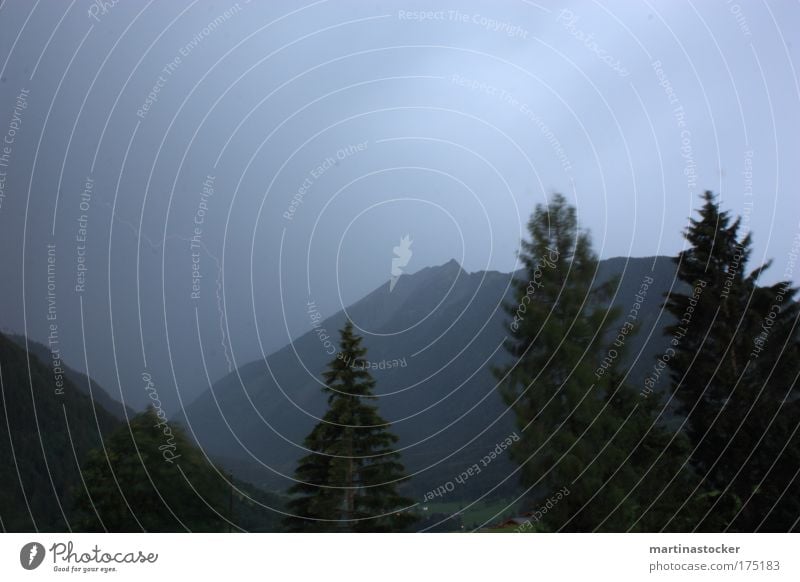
{"points": [[349, 481], [736, 345]]}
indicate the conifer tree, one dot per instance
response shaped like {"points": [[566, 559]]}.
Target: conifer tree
{"points": [[349, 481], [736, 345], [579, 429]]}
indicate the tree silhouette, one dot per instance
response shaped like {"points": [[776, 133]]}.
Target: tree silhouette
{"points": [[735, 378], [150, 477], [585, 431], [349, 480]]}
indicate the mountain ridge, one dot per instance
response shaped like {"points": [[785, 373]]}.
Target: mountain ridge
{"points": [[49, 434], [81, 381], [448, 326]]}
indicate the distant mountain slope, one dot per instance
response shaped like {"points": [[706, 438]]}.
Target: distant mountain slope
{"points": [[80, 380], [44, 437], [433, 340]]}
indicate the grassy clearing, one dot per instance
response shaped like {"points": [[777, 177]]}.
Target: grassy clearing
{"points": [[476, 514]]}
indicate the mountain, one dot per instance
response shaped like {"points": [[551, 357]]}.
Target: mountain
{"points": [[49, 427], [80, 380], [432, 341]]}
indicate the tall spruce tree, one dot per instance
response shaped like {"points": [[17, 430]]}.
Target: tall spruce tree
{"points": [[734, 377], [349, 481], [579, 429]]}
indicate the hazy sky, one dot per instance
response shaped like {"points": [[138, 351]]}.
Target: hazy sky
{"points": [[326, 131]]}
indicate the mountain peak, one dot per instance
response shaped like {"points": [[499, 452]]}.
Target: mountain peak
{"points": [[451, 267], [448, 271]]}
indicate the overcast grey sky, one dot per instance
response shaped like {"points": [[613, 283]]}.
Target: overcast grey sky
{"points": [[329, 130]]}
